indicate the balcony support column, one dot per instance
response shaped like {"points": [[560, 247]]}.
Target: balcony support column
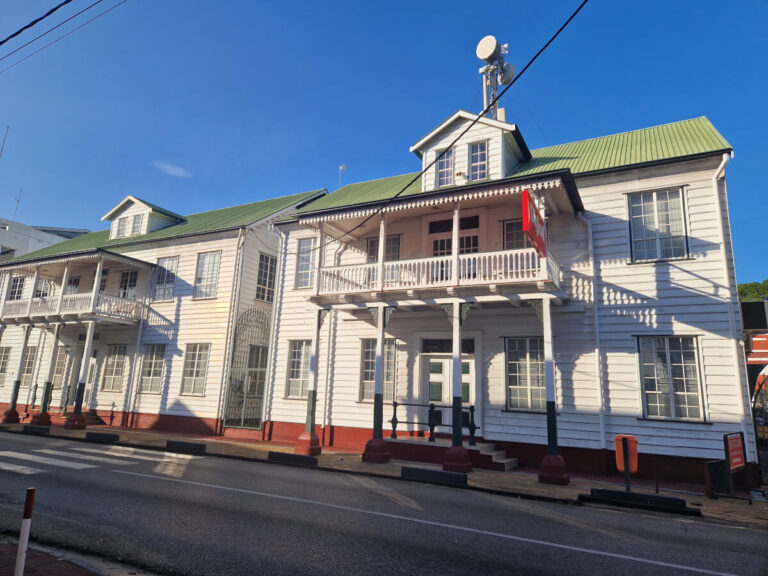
{"points": [[11, 416], [376, 448], [96, 283], [319, 260], [6, 290], [76, 421], [308, 443], [456, 458], [382, 250], [42, 418], [552, 468], [455, 245], [34, 287], [64, 282]]}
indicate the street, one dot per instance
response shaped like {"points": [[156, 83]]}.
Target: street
{"points": [[180, 514]]}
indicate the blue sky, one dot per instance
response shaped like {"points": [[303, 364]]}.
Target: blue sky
{"points": [[197, 105]]}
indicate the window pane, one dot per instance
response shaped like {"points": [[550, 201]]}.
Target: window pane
{"points": [[17, 288], [514, 237], [152, 368], [59, 369], [478, 161], [114, 365], [298, 368], [265, 282], [670, 377], [207, 275], [305, 263], [526, 382], [128, 281], [165, 278], [5, 353], [28, 365], [195, 366], [137, 224], [657, 225], [445, 169]]}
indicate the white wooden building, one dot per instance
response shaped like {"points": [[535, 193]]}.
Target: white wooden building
{"points": [[146, 320], [427, 289]]}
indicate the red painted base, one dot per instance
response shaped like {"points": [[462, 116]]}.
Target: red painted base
{"points": [[457, 459], [11, 417], [552, 470], [376, 451], [307, 444], [75, 422], [41, 419]]}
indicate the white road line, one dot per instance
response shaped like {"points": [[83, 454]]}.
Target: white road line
{"points": [[125, 452], [8, 467], [87, 457], [44, 460], [436, 524]]}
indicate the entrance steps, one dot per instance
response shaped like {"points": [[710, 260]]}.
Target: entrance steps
{"points": [[484, 455]]}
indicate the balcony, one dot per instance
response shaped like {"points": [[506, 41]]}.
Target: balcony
{"points": [[511, 267], [74, 307]]}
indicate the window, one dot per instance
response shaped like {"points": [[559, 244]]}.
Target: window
{"points": [[165, 278], [103, 281], [257, 370], [42, 289], [195, 365], [207, 275], [17, 288], [468, 244], [478, 161], [445, 169], [465, 223], [60, 368], [152, 368], [298, 368], [391, 248], [73, 286], [305, 263], [113, 368], [670, 376], [525, 373], [657, 225], [28, 365], [513, 236], [122, 227], [368, 369], [265, 280], [137, 224], [5, 353], [128, 281]]}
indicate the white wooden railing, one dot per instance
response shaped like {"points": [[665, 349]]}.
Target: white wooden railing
{"points": [[73, 303], [503, 267], [111, 306], [15, 308], [43, 306], [107, 305]]}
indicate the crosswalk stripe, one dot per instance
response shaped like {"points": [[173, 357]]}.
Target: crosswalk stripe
{"points": [[87, 457], [126, 452], [8, 467], [44, 460]]}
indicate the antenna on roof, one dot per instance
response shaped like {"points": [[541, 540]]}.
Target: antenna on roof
{"points": [[342, 168], [495, 71], [18, 199]]}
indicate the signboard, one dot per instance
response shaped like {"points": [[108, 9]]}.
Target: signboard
{"points": [[534, 226], [735, 454]]}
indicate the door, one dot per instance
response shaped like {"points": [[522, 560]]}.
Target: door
{"points": [[246, 396], [437, 387], [128, 281]]}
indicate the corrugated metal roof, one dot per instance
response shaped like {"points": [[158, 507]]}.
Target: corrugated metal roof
{"points": [[200, 223], [665, 142]]}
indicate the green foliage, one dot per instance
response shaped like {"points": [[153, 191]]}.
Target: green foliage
{"points": [[753, 291]]}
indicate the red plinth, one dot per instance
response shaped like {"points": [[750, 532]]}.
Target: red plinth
{"points": [[75, 422], [376, 451], [41, 419], [307, 444], [457, 459], [11, 417], [552, 470]]}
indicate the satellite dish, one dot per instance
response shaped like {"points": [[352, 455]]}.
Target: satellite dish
{"points": [[507, 73], [488, 50]]}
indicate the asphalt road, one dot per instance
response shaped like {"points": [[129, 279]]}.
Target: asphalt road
{"points": [[179, 514]]}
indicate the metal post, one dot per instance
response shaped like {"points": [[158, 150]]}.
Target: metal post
{"points": [[26, 521], [308, 442], [549, 374], [625, 450]]}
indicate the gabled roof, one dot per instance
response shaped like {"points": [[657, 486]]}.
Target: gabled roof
{"points": [[666, 143], [152, 208], [463, 114], [200, 223]]}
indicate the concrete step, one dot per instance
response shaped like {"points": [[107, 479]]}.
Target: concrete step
{"points": [[507, 463]]}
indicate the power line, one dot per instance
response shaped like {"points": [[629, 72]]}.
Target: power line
{"points": [[36, 38], [35, 21], [28, 56]]}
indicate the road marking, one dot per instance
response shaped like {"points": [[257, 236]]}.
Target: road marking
{"points": [[436, 524], [8, 467], [86, 457], [44, 460], [125, 452]]}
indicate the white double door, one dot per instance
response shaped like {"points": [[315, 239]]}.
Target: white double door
{"points": [[437, 388]]}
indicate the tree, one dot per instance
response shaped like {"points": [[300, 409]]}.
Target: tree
{"points": [[753, 291]]}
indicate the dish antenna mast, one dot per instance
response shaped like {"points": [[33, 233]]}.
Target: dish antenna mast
{"points": [[495, 72]]}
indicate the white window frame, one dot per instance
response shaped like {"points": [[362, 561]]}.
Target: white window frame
{"points": [[675, 411], [658, 236], [505, 235], [266, 277], [122, 227], [165, 278], [368, 369], [5, 354], [28, 365], [297, 375], [43, 288], [392, 245], [17, 288], [193, 383], [129, 280], [114, 368], [305, 265], [152, 369], [526, 403], [444, 168], [483, 163], [60, 366], [73, 286], [137, 224], [207, 275]]}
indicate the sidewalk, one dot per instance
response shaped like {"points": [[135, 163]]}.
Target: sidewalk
{"points": [[516, 483]]}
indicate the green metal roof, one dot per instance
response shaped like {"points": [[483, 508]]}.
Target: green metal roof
{"points": [[666, 142], [160, 209], [200, 223]]}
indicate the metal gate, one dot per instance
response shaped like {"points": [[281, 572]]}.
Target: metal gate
{"points": [[248, 376]]}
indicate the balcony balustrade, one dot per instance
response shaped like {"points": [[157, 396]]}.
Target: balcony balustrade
{"points": [[106, 306]]}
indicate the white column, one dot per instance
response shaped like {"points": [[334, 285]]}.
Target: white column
{"points": [[382, 250], [378, 379], [97, 282], [456, 372], [455, 246], [6, 290], [34, 285], [549, 375], [64, 282], [319, 257], [84, 365]]}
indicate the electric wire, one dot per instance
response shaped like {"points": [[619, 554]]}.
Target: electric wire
{"points": [[28, 56], [35, 21], [36, 38]]}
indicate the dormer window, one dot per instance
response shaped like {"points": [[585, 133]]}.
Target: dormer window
{"points": [[134, 217], [122, 227], [445, 169], [138, 224], [478, 161]]}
